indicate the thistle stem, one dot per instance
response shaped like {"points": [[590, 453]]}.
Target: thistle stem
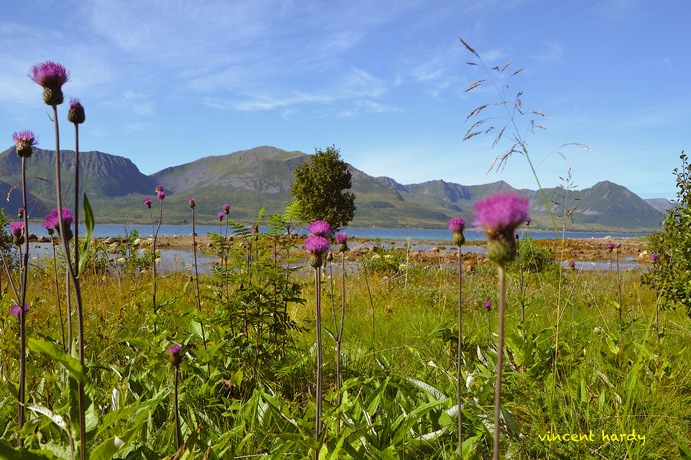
{"points": [[21, 393], [459, 355], [318, 422], [500, 364], [75, 282]]}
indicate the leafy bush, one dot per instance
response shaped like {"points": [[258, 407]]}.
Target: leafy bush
{"points": [[671, 273], [533, 258]]}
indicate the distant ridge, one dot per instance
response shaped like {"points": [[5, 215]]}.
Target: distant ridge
{"points": [[261, 177]]}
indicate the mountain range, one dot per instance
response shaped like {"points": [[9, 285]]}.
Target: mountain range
{"points": [[261, 177]]}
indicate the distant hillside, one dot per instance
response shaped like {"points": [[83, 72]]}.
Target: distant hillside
{"points": [[261, 177], [661, 204]]}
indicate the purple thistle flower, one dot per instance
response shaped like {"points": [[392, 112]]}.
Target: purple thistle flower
{"points": [[147, 202], [161, 196], [24, 142], [487, 305], [174, 349], [319, 228], [51, 76], [220, 215], [191, 202], [76, 113], [15, 310], [226, 209], [175, 354], [528, 220], [52, 221], [17, 231], [572, 264], [610, 246], [456, 225], [501, 212], [499, 215], [342, 241], [20, 213], [654, 256], [316, 246]]}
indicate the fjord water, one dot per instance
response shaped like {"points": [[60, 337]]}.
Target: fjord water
{"points": [[383, 234]]}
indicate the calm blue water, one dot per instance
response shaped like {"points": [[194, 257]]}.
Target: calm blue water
{"points": [[383, 234]]}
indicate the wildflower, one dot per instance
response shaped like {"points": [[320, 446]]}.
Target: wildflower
{"points": [[316, 246], [528, 221], [175, 354], [487, 305], [15, 310], [191, 202], [654, 256], [610, 246], [220, 215], [319, 228], [52, 221], [456, 225], [226, 209], [147, 202], [24, 142], [499, 215], [572, 264], [20, 213], [342, 241], [160, 193], [76, 113], [17, 231], [51, 76]]}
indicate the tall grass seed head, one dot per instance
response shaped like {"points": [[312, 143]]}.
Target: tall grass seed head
{"points": [[456, 225], [316, 246], [319, 228], [24, 142], [498, 216], [51, 76], [17, 231], [76, 113]]}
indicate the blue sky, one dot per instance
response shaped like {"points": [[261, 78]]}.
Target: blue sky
{"points": [[165, 82]]}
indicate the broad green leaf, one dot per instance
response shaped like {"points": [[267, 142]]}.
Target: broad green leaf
{"points": [[7, 452], [56, 418], [73, 366], [112, 446], [89, 225]]}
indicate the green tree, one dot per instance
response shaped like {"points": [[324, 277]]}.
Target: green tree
{"points": [[670, 275], [320, 186]]}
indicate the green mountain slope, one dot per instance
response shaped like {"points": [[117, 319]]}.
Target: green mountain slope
{"points": [[261, 177]]}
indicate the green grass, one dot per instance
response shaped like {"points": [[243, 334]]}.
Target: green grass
{"points": [[252, 393]]}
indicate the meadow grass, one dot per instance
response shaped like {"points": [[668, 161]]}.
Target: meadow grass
{"points": [[253, 393]]}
